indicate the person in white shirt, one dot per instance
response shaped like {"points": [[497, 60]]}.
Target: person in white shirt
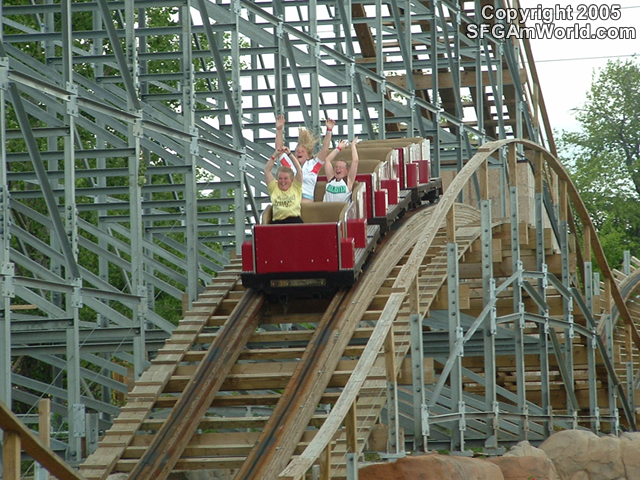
{"points": [[341, 176], [311, 164]]}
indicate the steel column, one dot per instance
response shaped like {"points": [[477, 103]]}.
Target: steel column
{"points": [[455, 339]]}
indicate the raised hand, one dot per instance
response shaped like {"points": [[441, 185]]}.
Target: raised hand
{"points": [[330, 123]]}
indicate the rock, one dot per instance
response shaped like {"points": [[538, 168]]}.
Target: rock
{"points": [[630, 445], [381, 471], [525, 449], [566, 455], [524, 468], [582, 455], [433, 467]]}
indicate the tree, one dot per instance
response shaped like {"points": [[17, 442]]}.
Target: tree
{"points": [[604, 156]]}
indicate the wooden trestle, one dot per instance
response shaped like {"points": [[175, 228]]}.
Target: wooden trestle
{"points": [[257, 406], [290, 372]]}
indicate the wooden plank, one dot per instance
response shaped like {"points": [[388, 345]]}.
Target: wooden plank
{"points": [[222, 423], [164, 453], [111, 439], [406, 376], [44, 421], [263, 368], [129, 465], [351, 424], [130, 417], [467, 79], [325, 463], [11, 465], [246, 400], [257, 381], [228, 444]]}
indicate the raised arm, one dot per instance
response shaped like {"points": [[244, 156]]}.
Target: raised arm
{"points": [[326, 143], [268, 175], [353, 170], [328, 167], [296, 163], [279, 132]]}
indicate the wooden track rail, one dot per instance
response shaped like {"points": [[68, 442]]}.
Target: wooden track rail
{"points": [[147, 392], [308, 374], [365, 393], [281, 434], [308, 383], [176, 432]]}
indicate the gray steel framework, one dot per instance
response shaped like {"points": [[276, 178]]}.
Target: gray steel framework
{"points": [[133, 141]]}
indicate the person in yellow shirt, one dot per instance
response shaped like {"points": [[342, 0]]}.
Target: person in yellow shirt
{"points": [[286, 190]]}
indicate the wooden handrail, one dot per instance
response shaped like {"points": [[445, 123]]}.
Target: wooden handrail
{"points": [[18, 436]]}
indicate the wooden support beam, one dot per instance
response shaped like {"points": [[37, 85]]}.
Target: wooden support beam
{"points": [[445, 79], [538, 173], [390, 357], [451, 225], [586, 239], [11, 456], [351, 424], [513, 164], [563, 203], [535, 106], [414, 297], [607, 295], [44, 421], [325, 463], [483, 174]]}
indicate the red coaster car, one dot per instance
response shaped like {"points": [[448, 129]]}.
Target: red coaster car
{"points": [[325, 252]]}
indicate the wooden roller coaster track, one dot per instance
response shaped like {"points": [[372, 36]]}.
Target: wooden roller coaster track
{"points": [[246, 385], [308, 374]]}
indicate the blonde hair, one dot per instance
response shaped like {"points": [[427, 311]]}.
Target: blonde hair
{"points": [[286, 170], [307, 140]]}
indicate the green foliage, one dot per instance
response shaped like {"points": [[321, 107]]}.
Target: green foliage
{"points": [[604, 157], [372, 457]]}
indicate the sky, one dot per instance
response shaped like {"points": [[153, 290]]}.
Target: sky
{"points": [[565, 66]]}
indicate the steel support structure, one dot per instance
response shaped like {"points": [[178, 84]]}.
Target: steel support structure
{"points": [[541, 327], [134, 136]]}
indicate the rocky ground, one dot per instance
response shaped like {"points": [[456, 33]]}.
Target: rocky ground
{"points": [[566, 455]]}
